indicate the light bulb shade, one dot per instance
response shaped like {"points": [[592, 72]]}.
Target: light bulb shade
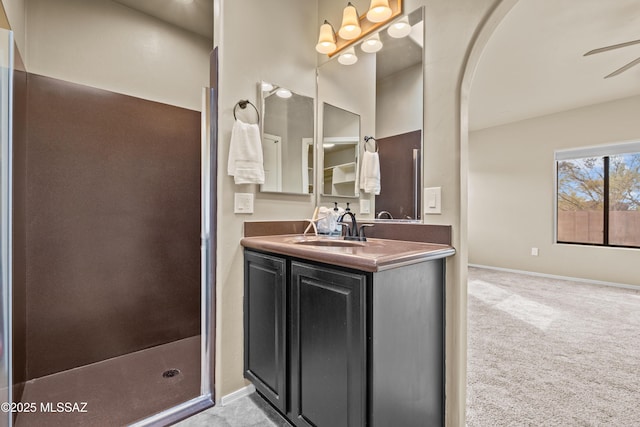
{"points": [[348, 57], [267, 87], [379, 11], [327, 39], [350, 28], [400, 28], [371, 44], [283, 93]]}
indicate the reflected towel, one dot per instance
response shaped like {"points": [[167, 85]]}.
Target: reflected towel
{"points": [[370, 173], [245, 154]]}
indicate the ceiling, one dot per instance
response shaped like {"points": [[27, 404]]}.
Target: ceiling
{"points": [[533, 64], [195, 16]]}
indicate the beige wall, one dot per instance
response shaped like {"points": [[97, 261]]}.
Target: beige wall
{"points": [[511, 192], [14, 10], [106, 45], [399, 103], [4, 21], [249, 53], [450, 36], [450, 27]]}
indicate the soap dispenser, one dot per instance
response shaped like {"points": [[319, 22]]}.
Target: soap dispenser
{"points": [[335, 215]]}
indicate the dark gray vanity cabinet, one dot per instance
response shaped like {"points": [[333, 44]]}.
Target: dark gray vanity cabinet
{"points": [[328, 346], [265, 318], [336, 347]]}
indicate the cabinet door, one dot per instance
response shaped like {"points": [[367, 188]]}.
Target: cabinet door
{"points": [[265, 279], [328, 348]]}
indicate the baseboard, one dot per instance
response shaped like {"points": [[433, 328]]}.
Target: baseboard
{"points": [[238, 394], [553, 276]]}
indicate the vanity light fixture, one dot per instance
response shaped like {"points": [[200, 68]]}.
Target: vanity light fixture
{"points": [[354, 28], [400, 29], [283, 93], [327, 38], [372, 44], [348, 57], [350, 28], [379, 11], [269, 89]]}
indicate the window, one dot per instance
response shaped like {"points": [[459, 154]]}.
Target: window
{"points": [[598, 195]]}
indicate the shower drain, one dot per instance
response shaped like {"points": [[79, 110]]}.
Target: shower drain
{"points": [[171, 373]]}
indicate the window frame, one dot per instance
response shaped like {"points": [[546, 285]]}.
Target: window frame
{"points": [[604, 152]]}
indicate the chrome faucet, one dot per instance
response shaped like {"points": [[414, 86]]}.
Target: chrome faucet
{"points": [[351, 231], [384, 213]]}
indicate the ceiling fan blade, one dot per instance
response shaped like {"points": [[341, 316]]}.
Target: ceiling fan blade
{"points": [[625, 68], [612, 47]]}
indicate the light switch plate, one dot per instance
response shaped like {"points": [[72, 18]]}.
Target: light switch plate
{"points": [[365, 206], [433, 200], [243, 203]]}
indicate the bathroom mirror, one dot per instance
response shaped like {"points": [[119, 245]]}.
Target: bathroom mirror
{"points": [[347, 97], [340, 137], [386, 89], [287, 140]]}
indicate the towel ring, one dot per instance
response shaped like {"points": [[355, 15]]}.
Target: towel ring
{"points": [[367, 139], [243, 104]]}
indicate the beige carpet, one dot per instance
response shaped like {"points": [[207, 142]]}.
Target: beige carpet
{"points": [[546, 352]]}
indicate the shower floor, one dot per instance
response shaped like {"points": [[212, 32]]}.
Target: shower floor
{"points": [[117, 391]]}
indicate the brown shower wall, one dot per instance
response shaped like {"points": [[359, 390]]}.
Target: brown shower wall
{"points": [[396, 158], [112, 225]]}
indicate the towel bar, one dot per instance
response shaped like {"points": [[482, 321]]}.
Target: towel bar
{"points": [[367, 139], [243, 104]]}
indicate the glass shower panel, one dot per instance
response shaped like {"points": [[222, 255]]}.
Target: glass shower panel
{"points": [[6, 86]]}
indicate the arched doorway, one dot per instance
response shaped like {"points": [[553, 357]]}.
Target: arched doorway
{"points": [[552, 257]]}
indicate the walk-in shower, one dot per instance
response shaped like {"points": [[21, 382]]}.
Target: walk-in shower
{"points": [[106, 254]]}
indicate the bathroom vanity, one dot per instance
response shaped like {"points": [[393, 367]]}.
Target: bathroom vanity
{"points": [[341, 333]]}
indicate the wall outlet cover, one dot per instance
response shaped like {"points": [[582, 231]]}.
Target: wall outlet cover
{"points": [[433, 200], [243, 203], [365, 206]]}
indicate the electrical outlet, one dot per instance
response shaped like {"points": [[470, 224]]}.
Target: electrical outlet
{"points": [[243, 203], [534, 251]]}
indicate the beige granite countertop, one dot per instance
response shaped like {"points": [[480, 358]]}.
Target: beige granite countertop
{"points": [[372, 255]]}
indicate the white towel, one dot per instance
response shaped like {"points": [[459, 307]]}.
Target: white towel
{"points": [[370, 173], [245, 154]]}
